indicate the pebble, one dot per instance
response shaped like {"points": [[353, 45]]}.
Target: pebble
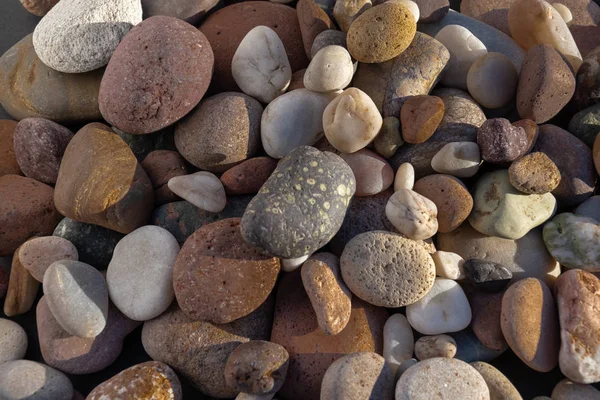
{"points": [[24, 379], [248, 176], [492, 80], [4, 278], [313, 190], [8, 160], [487, 275], [389, 138], [142, 145], [373, 174], [202, 189], [435, 346], [586, 124], [313, 20], [351, 121], [37, 254], [381, 33], [486, 325], [420, 117], [260, 66], [151, 379], [191, 12], [454, 378], [534, 173], [413, 215], [588, 81], [358, 376], [460, 159], [365, 268], [501, 210], [460, 110], [432, 10], [464, 47], [346, 11], [500, 387], [81, 35], [218, 277], [39, 8], [398, 341], [292, 120], [500, 141], [449, 265], [39, 145], [546, 84], [328, 37], [13, 341], [160, 53], [100, 178], [444, 309], [532, 132], [328, 294], [22, 290], [405, 177], [162, 165], [568, 390], [573, 241], [530, 324], [330, 69], [589, 208], [452, 199], [257, 367]]}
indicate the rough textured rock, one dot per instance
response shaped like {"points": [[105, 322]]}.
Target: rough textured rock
{"points": [[190, 11], [162, 165], [498, 384], [8, 160], [435, 346], [13, 341], [534, 173], [346, 11], [24, 379], [248, 176], [501, 142], [37, 254]]}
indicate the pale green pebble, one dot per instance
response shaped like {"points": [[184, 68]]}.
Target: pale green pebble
{"points": [[389, 139]]}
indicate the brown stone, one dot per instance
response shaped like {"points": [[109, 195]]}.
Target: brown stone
{"points": [[500, 142], [313, 20], [162, 165], [248, 176], [531, 132], [8, 160], [535, 173], [432, 10], [37, 254], [22, 289], [486, 309], [226, 28], [596, 154], [39, 7], [26, 210], [101, 182], [191, 12], [420, 117], [451, 197], [297, 81], [218, 277]]}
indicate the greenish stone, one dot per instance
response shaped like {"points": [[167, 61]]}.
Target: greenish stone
{"points": [[389, 138], [586, 124]]}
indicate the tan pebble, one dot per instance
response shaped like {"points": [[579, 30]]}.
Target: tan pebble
{"points": [[534, 174], [330, 69], [420, 116], [413, 215], [492, 80], [448, 265], [405, 177], [435, 346]]}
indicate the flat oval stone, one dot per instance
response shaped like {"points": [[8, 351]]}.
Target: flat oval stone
{"points": [[202, 189], [176, 60], [568, 390], [534, 173], [405, 177], [448, 265], [460, 159], [435, 346], [498, 384], [572, 240], [37, 254], [13, 341], [487, 309], [373, 174], [24, 379], [330, 69], [420, 117], [313, 20], [386, 269], [8, 160], [501, 142], [248, 176], [487, 275], [413, 215], [398, 342], [492, 80], [191, 12]]}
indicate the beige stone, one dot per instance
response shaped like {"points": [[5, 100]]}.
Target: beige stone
{"points": [[435, 346], [412, 214], [330, 69]]}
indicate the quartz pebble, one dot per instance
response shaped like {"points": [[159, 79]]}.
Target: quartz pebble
{"points": [[24, 379], [330, 69], [460, 159], [487, 275], [398, 341], [500, 141], [534, 173], [389, 138], [405, 177], [492, 80], [413, 215], [420, 117], [373, 174], [202, 189], [435, 346], [449, 265], [13, 341], [37, 254]]}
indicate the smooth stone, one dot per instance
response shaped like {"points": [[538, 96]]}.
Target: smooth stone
{"points": [[260, 66], [328, 37], [530, 324], [22, 290], [470, 349], [492, 80], [291, 264], [534, 173], [346, 11], [452, 199], [292, 191], [454, 378], [487, 275], [358, 376], [373, 174], [448, 265], [13, 341], [420, 116], [162, 165], [573, 241], [24, 379], [500, 387], [588, 81], [460, 159], [443, 309], [257, 367], [293, 120], [8, 160], [586, 124], [486, 325], [568, 390], [387, 270], [39, 145], [197, 350], [100, 178], [413, 215], [435, 346], [398, 341], [405, 177], [63, 98], [202, 189], [330, 69], [404, 366], [27, 210], [248, 176], [546, 84], [501, 142], [330, 297], [176, 61], [351, 121], [589, 208], [432, 10], [312, 20], [464, 48], [76, 355], [191, 12], [37, 254], [501, 210], [151, 379], [38, 8], [461, 110], [389, 138]]}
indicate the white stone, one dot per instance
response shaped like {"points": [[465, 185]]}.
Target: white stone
{"points": [[81, 35], [460, 159], [444, 308], [351, 121], [293, 120], [405, 177], [24, 379], [449, 265], [412, 7], [260, 65], [398, 341], [77, 296], [140, 274], [202, 189], [292, 264], [492, 80], [330, 69], [464, 48], [564, 12], [412, 214], [13, 341]]}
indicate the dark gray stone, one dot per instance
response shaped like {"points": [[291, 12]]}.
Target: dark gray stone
{"points": [[487, 275]]}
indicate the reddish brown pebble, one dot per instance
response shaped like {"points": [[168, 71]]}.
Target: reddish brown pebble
{"points": [[372, 172], [162, 165], [249, 176], [531, 131], [22, 289], [420, 117], [37, 254], [486, 309], [8, 160], [500, 142], [313, 20]]}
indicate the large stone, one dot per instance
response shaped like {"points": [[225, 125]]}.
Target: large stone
{"points": [[24, 379]]}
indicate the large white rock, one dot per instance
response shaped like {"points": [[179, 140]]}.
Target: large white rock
{"points": [[330, 69], [202, 189], [398, 341], [461, 159], [81, 35]]}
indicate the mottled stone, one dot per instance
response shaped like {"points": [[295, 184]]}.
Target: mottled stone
{"points": [[486, 309], [203, 189], [398, 341], [24, 379], [420, 117], [22, 290], [37, 254], [487, 275], [586, 124], [498, 384], [13, 341], [534, 173], [8, 160], [248, 176], [501, 142], [573, 241], [435, 346], [412, 214]]}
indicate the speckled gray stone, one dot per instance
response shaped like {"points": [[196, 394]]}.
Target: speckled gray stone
{"points": [[13, 341], [302, 204]]}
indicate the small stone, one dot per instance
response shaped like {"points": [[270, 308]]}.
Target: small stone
{"points": [[39, 8], [398, 341], [8, 160], [500, 387], [534, 173], [492, 80], [191, 12], [312, 20], [13, 341], [435, 346], [22, 290], [162, 165], [358, 376], [530, 323], [432, 10], [248, 176], [151, 379], [567, 390], [37, 254], [449, 265], [260, 65], [389, 138], [531, 131], [589, 208], [24, 379], [586, 124], [328, 294], [405, 177], [351, 121], [420, 117], [500, 141], [386, 269], [202, 189], [373, 174], [486, 325], [413, 215], [381, 33], [329, 37], [346, 11], [257, 367], [460, 159], [330, 69], [487, 275]]}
